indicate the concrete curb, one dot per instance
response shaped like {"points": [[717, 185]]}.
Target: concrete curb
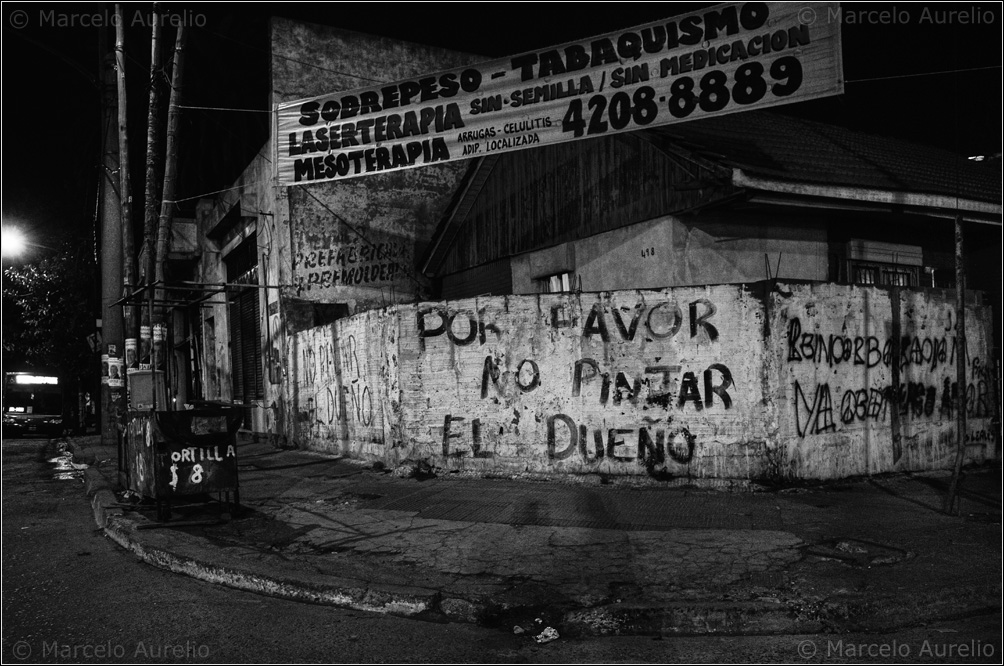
{"points": [[359, 596], [356, 595], [102, 498], [791, 617], [689, 619]]}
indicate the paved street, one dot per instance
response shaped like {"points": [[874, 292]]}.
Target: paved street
{"points": [[72, 595]]}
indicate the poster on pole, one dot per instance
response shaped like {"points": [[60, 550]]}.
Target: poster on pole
{"points": [[723, 59]]}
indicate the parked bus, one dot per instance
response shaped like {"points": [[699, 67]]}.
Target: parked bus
{"points": [[33, 404]]}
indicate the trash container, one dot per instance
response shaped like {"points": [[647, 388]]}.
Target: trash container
{"points": [[182, 453]]}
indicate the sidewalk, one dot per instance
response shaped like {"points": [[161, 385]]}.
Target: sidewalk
{"points": [[583, 557]]}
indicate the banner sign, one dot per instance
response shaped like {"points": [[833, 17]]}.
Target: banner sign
{"points": [[724, 59]]}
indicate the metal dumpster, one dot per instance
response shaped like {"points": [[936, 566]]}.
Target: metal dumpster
{"points": [[173, 454]]}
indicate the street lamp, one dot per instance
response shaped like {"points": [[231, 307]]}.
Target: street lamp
{"points": [[13, 242]]}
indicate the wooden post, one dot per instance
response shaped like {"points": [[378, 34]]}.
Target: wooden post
{"points": [[151, 184], [130, 313], [152, 152], [160, 314], [960, 368], [171, 155], [110, 212]]}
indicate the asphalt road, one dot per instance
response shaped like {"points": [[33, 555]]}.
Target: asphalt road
{"points": [[70, 595]]}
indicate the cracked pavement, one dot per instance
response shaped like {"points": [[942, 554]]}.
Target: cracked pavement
{"points": [[630, 557]]}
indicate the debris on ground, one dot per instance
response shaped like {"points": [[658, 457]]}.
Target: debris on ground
{"points": [[549, 634], [415, 469]]}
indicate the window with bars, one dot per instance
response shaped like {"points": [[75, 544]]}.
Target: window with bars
{"points": [[887, 274], [246, 364], [891, 264], [556, 283]]}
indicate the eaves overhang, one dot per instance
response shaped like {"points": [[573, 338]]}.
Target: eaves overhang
{"points": [[457, 211], [845, 196]]}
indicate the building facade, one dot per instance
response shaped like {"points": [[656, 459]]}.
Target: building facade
{"points": [[747, 297]]}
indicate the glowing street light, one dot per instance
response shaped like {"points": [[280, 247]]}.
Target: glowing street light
{"points": [[13, 242]]}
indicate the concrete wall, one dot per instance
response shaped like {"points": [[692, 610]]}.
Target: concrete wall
{"points": [[866, 381], [356, 241], [345, 397], [721, 382], [670, 251]]}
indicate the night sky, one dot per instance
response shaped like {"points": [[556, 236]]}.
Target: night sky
{"points": [[894, 58]]}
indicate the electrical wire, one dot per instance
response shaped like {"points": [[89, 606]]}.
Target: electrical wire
{"points": [[910, 76], [206, 194], [222, 108]]}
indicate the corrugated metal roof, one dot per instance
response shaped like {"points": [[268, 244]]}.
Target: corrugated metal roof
{"points": [[776, 146]]}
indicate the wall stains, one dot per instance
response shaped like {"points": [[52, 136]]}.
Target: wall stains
{"points": [[694, 381], [873, 376]]}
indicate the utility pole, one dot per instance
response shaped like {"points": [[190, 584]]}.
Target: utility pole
{"points": [[170, 181], [152, 154], [130, 318], [111, 240], [170, 154], [960, 368], [155, 331]]}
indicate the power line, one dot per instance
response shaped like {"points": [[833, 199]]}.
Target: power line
{"points": [[206, 194], [910, 76], [222, 108]]}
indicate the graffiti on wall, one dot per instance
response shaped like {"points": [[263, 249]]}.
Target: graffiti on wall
{"points": [[351, 263], [877, 380], [868, 351], [661, 321], [335, 386], [655, 392]]}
